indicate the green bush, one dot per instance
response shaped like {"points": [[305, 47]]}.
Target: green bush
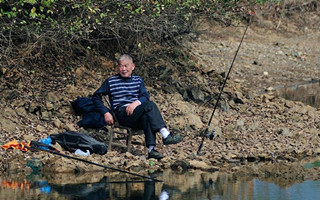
{"points": [[71, 28]]}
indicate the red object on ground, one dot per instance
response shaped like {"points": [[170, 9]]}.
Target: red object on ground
{"points": [[16, 145]]}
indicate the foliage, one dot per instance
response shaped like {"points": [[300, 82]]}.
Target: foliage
{"points": [[71, 28]]}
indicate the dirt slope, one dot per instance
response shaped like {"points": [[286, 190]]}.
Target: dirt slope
{"points": [[250, 127]]}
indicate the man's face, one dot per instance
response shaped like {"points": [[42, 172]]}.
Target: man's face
{"points": [[125, 68]]}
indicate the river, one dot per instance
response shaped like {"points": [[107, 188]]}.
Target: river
{"points": [[190, 185]]}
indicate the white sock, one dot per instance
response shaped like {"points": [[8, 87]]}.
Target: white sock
{"points": [[150, 148], [164, 132]]}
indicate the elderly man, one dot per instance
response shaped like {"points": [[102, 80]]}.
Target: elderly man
{"points": [[132, 107]]}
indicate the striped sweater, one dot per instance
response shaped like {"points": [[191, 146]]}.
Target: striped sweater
{"points": [[121, 91]]}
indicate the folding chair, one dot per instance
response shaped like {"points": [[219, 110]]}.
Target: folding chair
{"points": [[125, 133]]}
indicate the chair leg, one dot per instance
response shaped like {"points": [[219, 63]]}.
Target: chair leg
{"points": [[129, 140], [145, 147]]}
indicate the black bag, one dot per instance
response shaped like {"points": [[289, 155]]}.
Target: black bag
{"points": [[71, 141]]}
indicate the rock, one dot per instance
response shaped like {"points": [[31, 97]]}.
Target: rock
{"points": [[73, 91], [20, 85], [7, 125], [280, 52], [208, 69], [165, 75], [52, 97], [9, 112], [34, 108], [289, 104], [180, 165], [9, 95], [302, 110], [196, 94], [270, 89], [49, 106], [3, 70], [317, 151], [69, 127], [129, 155], [45, 116], [106, 63], [199, 165], [184, 106], [139, 139], [285, 132], [229, 156], [28, 137], [18, 103], [41, 128], [22, 112], [17, 164], [194, 120], [240, 125], [35, 164], [188, 120], [79, 71], [57, 123], [267, 98], [251, 95], [224, 106], [239, 95], [115, 160], [60, 165]]}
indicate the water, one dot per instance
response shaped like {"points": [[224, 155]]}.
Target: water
{"points": [[192, 185], [307, 92], [306, 190]]}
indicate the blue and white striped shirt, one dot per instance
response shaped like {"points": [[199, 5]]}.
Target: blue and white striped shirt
{"points": [[121, 91]]}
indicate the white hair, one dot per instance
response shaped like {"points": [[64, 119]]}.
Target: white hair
{"points": [[125, 57]]}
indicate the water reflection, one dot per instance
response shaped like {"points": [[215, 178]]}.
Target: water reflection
{"points": [[306, 92], [191, 185]]}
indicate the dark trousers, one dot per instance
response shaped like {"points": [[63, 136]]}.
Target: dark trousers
{"points": [[146, 117]]}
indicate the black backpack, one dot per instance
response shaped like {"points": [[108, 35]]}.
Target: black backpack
{"points": [[71, 141]]}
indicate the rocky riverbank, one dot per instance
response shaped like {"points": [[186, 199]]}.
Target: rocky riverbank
{"points": [[251, 127]]}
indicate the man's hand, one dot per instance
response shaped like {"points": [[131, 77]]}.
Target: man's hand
{"points": [[108, 118], [130, 108]]}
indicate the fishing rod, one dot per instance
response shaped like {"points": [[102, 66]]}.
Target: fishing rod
{"points": [[37, 146], [206, 132]]}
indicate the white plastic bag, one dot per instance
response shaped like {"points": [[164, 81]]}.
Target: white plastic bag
{"points": [[81, 153]]}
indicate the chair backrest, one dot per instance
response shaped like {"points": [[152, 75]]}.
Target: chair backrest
{"points": [[110, 107], [108, 102]]}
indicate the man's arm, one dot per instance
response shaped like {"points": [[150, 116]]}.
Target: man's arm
{"points": [[143, 97], [143, 93], [97, 101], [97, 98]]}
